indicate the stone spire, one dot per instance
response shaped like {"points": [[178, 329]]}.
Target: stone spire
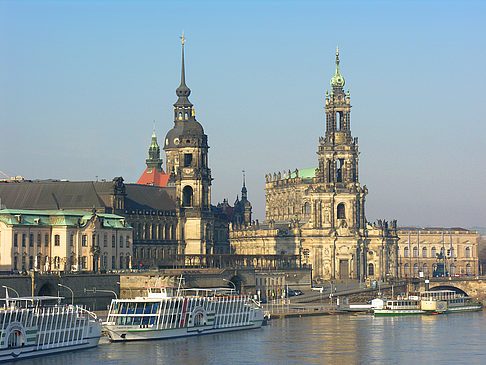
{"points": [[244, 195]]}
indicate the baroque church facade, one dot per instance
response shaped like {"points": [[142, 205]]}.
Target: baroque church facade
{"points": [[319, 213]]}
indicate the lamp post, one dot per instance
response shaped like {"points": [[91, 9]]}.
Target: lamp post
{"points": [[72, 293], [229, 281], [7, 287]]}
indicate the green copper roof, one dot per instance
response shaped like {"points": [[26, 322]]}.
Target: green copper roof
{"points": [[337, 80], [153, 143], [305, 173], [45, 218]]}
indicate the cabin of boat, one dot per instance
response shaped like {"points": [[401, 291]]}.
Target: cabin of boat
{"points": [[396, 307]]}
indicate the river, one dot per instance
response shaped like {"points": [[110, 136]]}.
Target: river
{"points": [[335, 339]]}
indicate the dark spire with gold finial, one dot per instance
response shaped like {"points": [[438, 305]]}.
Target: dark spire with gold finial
{"points": [[183, 91]]}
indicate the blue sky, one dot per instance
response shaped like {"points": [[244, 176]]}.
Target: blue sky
{"points": [[82, 82]]}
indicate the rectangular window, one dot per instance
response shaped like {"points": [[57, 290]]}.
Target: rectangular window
{"points": [[57, 240], [31, 240], [39, 240], [105, 241], [187, 159], [113, 241], [24, 238], [128, 241], [84, 240], [93, 240], [121, 241], [84, 261], [71, 240], [113, 262], [46, 240], [16, 240]]}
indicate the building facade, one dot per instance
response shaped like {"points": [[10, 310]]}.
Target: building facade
{"points": [[319, 213], [63, 241], [422, 250]]}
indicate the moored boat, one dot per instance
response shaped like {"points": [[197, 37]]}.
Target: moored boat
{"points": [[396, 307], [37, 326], [166, 313], [447, 301]]}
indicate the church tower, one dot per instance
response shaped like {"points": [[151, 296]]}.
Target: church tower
{"points": [[186, 148], [154, 173], [338, 157]]}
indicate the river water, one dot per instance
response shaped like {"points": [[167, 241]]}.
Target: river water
{"points": [[338, 339]]}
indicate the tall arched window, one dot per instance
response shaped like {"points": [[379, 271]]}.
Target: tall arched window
{"points": [[187, 196], [468, 269], [415, 251], [424, 252], [371, 270], [406, 253], [339, 121], [415, 270], [425, 269], [406, 269], [468, 252], [339, 166], [433, 252], [306, 209], [453, 269], [341, 211]]}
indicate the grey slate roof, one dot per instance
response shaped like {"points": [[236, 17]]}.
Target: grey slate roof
{"points": [[82, 195]]}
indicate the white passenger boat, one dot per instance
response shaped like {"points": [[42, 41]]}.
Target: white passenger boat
{"points": [[447, 301], [426, 302], [37, 326], [167, 313], [396, 307]]}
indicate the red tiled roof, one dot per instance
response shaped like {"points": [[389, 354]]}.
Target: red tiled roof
{"points": [[154, 177]]}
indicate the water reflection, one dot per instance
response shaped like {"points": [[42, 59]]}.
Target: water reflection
{"points": [[344, 339]]}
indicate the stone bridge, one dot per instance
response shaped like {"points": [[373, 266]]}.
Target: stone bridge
{"points": [[473, 286]]}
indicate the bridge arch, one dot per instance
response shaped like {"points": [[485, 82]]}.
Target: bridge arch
{"points": [[449, 287], [47, 289]]}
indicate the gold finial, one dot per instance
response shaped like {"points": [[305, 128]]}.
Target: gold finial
{"points": [[337, 51], [183, 39]]}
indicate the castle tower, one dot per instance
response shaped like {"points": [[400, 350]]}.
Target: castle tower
{"points": [[154, 173], [186, 148], [338, 157]]}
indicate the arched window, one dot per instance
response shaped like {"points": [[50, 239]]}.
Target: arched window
{"points": [[415, 270], [453, 269], [187, 196], [468, 252], [433, 252], [415, 251], [407, 269], [121, 260], [180, 115], [371, 270], [468, 269], [167, 232], [173, 232], [127, 259], [406, 252], [306, 209], [339, 121], [339, 165], [425, 269], [121, 241], [424, 252], [341, 211], [31, 262]]}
